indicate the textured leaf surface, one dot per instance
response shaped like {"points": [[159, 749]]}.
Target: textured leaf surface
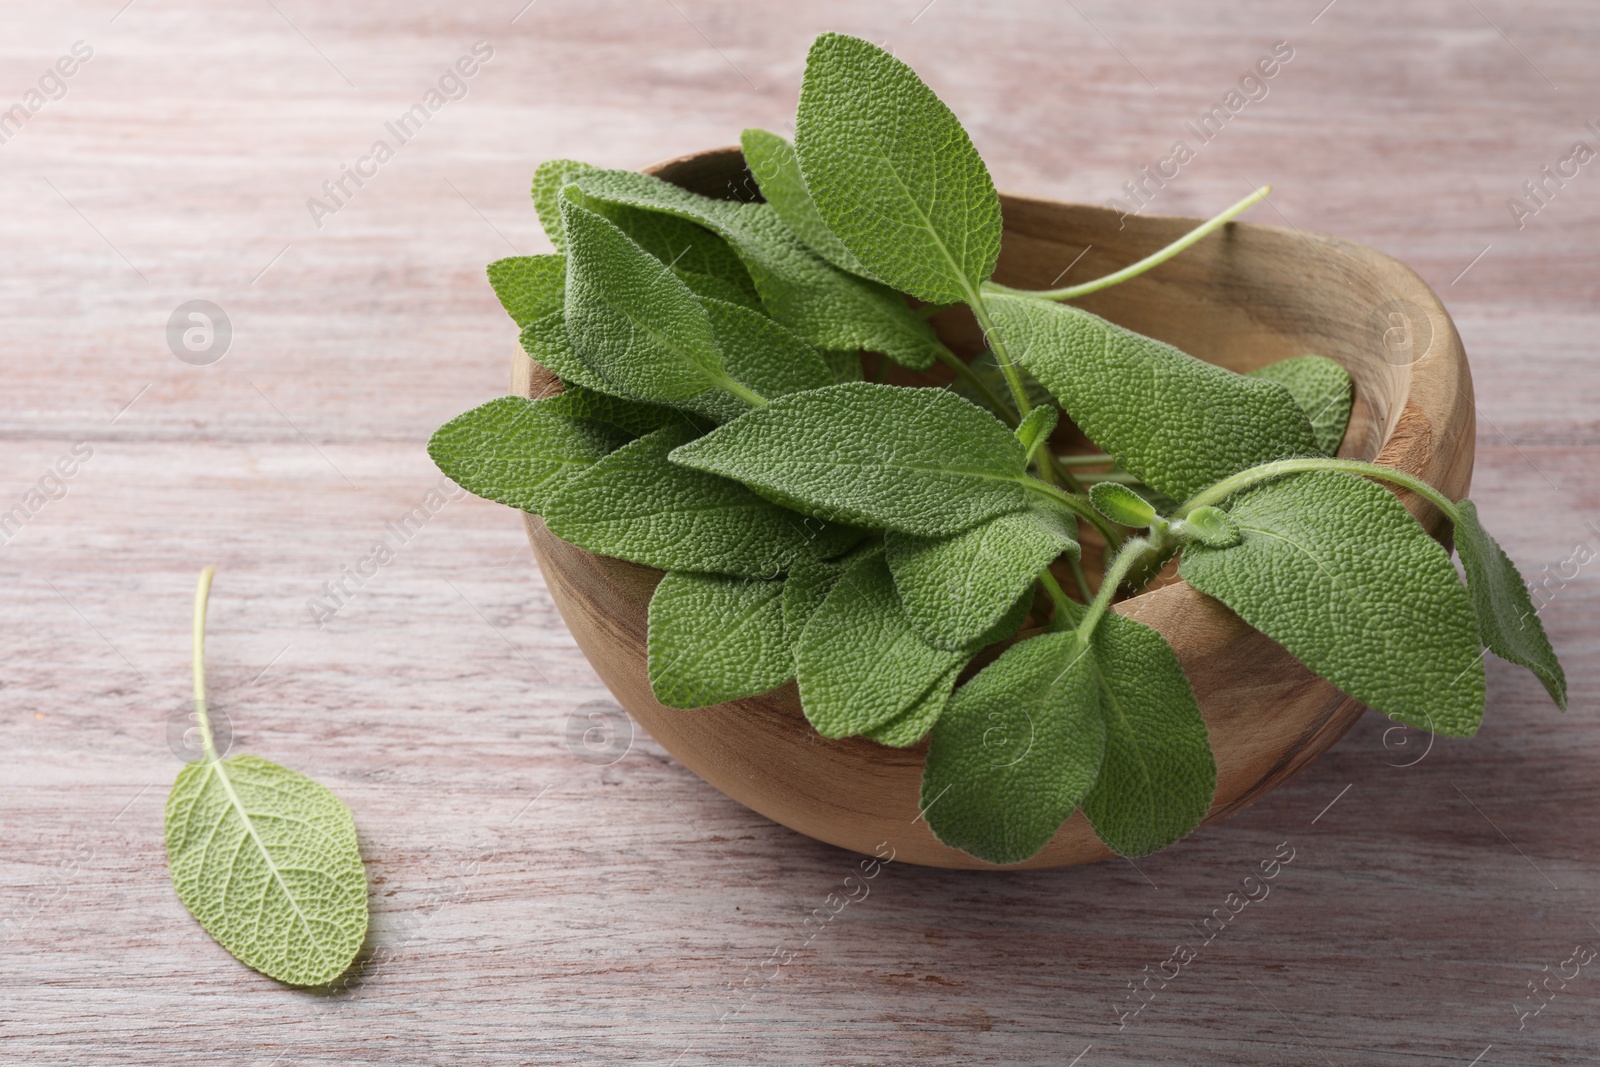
{"points": [[859, 662], [547, 344], [992, 392], [633, 417], [955, 588], [1178, 423], [519, 451], [1158, 776], [1015, 751], [1034, 430], [267, 861], [893, 174], [630, 318], [776, 168], [695, 254], [843, 363], [529, 287], [808, 584], [759, 353], [919, 461], [826, 306], [1121, 505], [1507, 621], [1333, 567], [1323, 390], [913, 724], [635, 505], [548, 180], [714, 638]]}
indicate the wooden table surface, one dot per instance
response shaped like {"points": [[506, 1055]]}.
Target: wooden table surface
{"points": [[537, 899]]}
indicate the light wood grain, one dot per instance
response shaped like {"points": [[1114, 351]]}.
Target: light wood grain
{"points": [[626, 914]]}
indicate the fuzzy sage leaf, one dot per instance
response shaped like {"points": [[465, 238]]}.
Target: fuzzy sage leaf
{"points": [[893, 174], [921, 461], [714, 638], [1508, 623], [776, 168], [1176, 422], [264, 858], [1323, 390], [1333, 567]]}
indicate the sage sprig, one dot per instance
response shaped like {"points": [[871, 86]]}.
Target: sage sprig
{"points": [[870, 541]]}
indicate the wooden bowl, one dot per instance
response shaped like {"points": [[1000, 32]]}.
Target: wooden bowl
{"points": [[1246, 296]]}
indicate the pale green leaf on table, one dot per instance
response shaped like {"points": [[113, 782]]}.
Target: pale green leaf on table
{"points": [[529, 287], [549, 178], [629, 318], [772, 160], [635, 505], [1508, 623], [1333, 568], [519, 451], [714, 637], [1178, 423], [267, 861], [893, 174], [829, 308], [1158, 776], [955, 588], [921, 461], [1015, 751], [1323, 390]]}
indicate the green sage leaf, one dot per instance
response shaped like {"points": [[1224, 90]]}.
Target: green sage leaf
{"points": [[1158, 777], [1034, 431], [1333, 568], [1178, 423], [1015, 750], [1323, 390], [893, 174], [1212, 527], [920, 461], [529, 287], [266, 859], [630, 318], [549, 178], [776, 168], [826, 306], [546, 342], [1508, 623], [1122, 505], [714, 638], [955, 588], [635, 505], [913, 724], [859, 661], [519, 451], [843, 363]]}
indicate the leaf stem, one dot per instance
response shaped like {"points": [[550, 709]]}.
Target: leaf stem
{"points": [[997, 345], [1155, 259], [1080, 578], [202, 716], [748, 395], [967, 374], [1216, 494], [1093, 459], [1118, 570], [1067, 609], [1078, 505]]}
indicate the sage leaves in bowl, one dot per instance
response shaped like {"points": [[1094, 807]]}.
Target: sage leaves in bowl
{"points": [[923, 561]]}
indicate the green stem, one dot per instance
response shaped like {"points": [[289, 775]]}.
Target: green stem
{"points": [[1080, 578], [1155, 259], [1120, 477], [1078, 505], [1118, 570], [1093, 459], [967, 374], [1222, 490], [202, 716], [748, 395], [1067, 609], [997, 345], [1062, 473]]}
